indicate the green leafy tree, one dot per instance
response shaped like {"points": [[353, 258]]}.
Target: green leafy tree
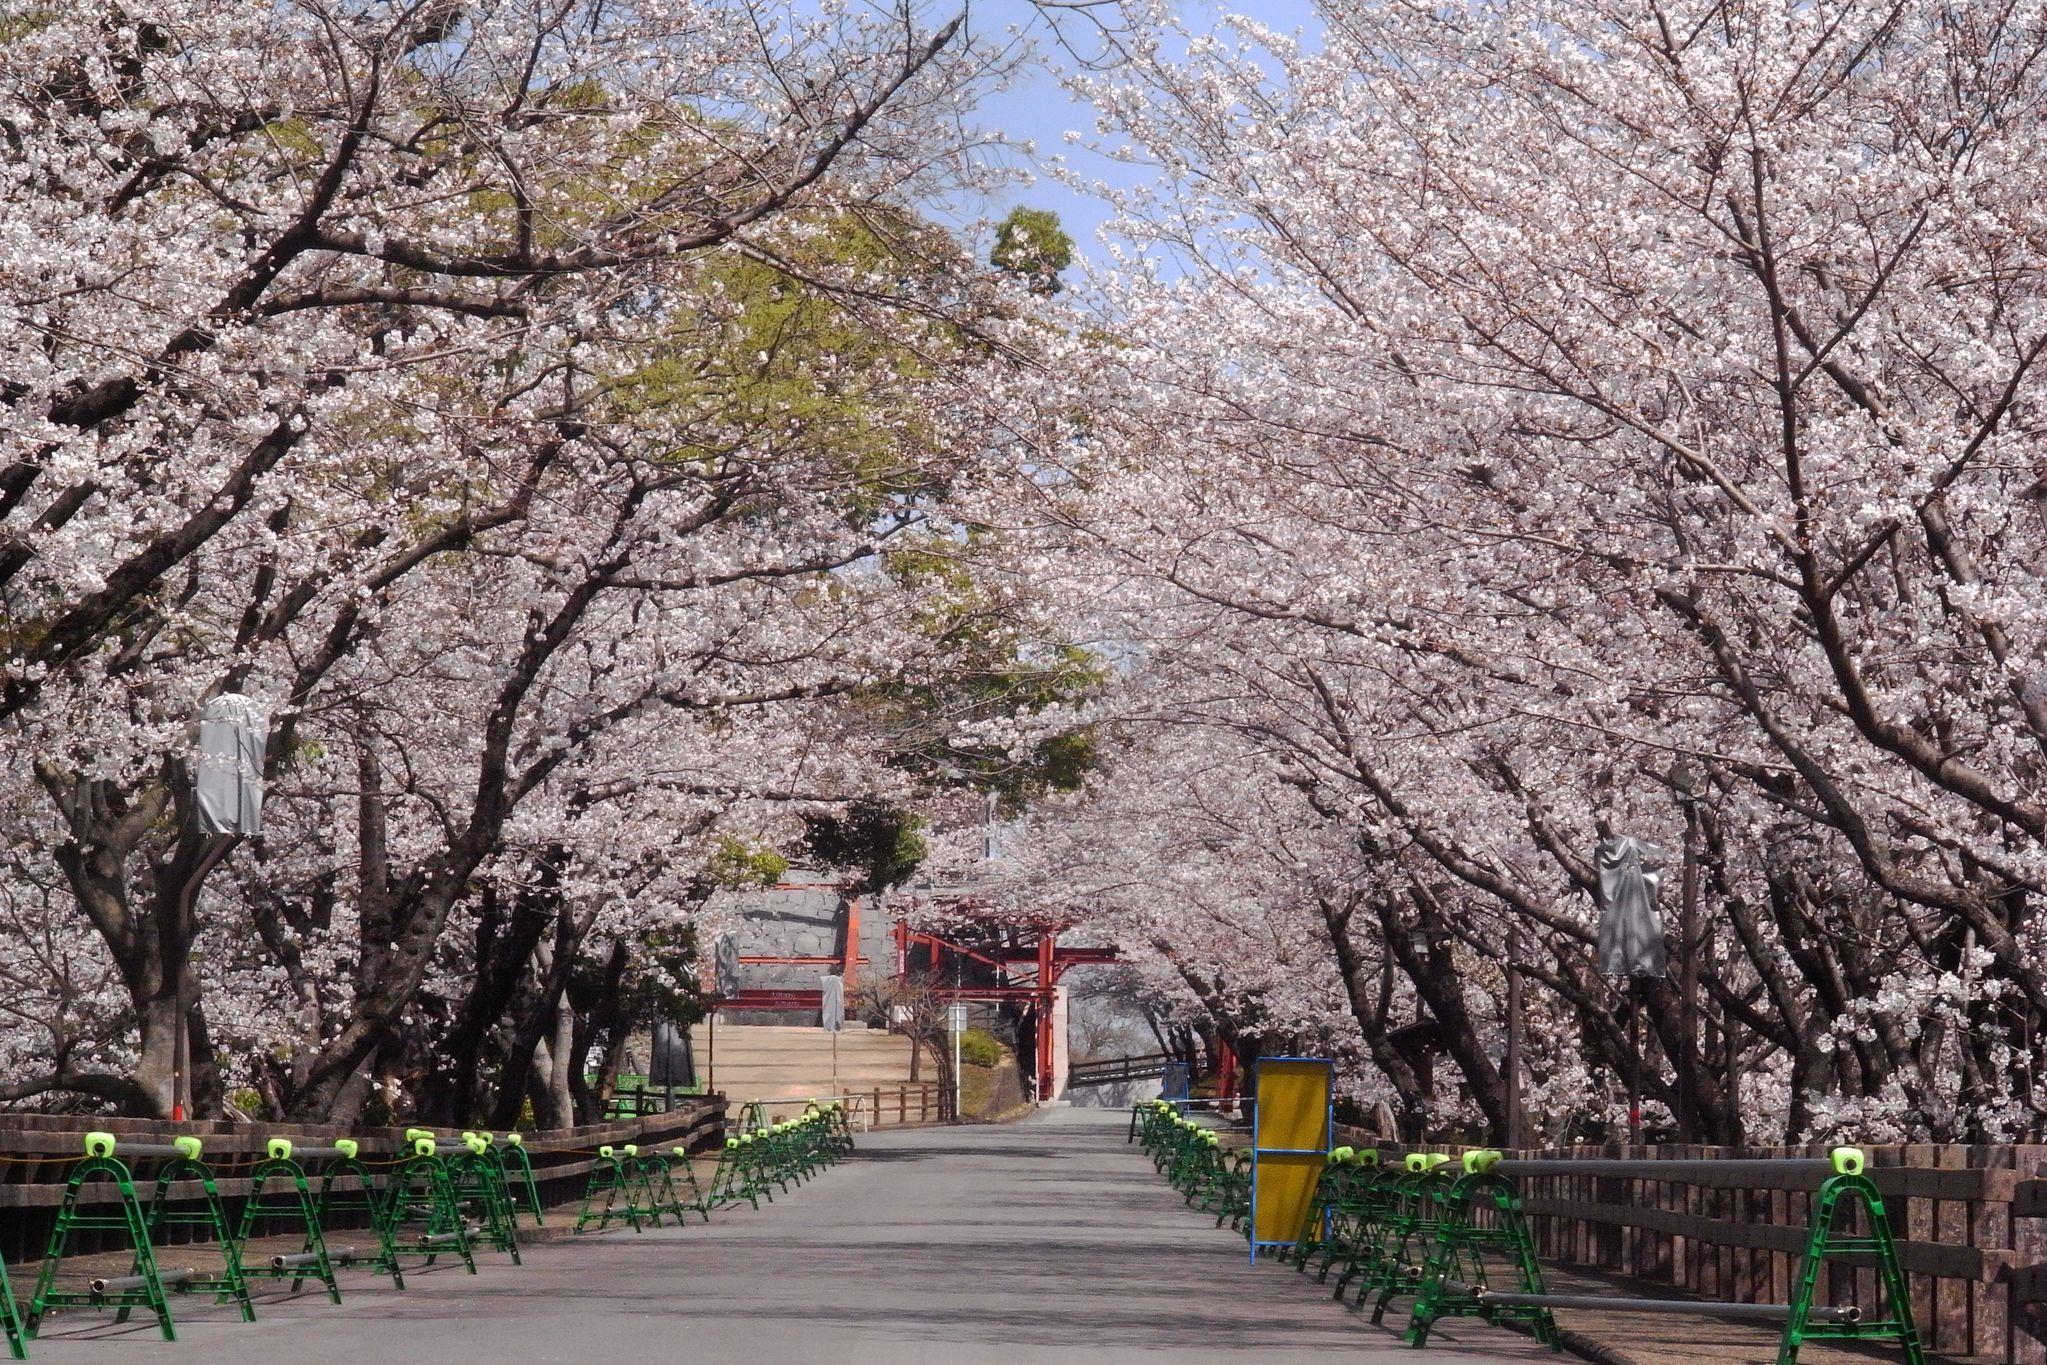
{"points": [[998, 667], [878, 841], [1030, 243]]}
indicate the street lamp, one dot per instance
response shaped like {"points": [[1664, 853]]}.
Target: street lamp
{"points": [[1630, 941], [227, 805]]}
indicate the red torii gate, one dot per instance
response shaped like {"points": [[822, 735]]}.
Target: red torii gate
{"points": [[1043, 963], [1040, 963]]}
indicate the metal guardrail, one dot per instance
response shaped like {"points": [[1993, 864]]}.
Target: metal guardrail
{"points": [[639, 1102], [1116, 1070]]}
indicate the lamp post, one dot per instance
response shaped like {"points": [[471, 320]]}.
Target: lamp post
{"points": [[1631, 942], [1418, 944], [227, 805]]}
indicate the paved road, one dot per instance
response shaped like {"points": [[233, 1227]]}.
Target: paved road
{"points": [[1044, 1241]]}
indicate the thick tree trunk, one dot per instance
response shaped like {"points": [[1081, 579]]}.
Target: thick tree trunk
{"points": [[1368, 993], [505, 948], [536, 1018], [1434, 973], [157, 1026], [561, 1109], [148, 928]]}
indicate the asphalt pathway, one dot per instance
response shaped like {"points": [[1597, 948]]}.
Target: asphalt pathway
{"points": [[1048, 1240]]}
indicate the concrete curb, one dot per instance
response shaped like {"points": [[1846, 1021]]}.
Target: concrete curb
{"points": [[1579, 1345]]}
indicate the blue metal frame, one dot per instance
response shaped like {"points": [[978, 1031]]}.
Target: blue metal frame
{"points": [[1328, 1141]]}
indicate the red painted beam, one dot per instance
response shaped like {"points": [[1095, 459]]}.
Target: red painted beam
{"points": [[773, 1000], [849, 968]]}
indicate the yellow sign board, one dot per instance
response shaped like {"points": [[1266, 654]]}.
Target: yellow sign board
{"points": [[1290, 1145]]}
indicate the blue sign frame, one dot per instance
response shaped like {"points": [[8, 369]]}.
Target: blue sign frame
{"points": [[1257, 1152]]}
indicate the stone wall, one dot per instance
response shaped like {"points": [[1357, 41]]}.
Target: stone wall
{"points": [[804, 920]]}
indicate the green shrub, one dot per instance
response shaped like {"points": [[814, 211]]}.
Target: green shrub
{"points": [[978, 1047]]}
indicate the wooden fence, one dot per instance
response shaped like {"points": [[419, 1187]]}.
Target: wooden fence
{"points": [[875, 1106], [1971, 1224], [38, 1150]]}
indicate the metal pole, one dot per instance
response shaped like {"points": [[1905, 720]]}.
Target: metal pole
{"points": [[1634, 1062], [1752, 1312], [213, 848], [959, 968], [1723, 1172], [1515, 1060], [1688, 984]]}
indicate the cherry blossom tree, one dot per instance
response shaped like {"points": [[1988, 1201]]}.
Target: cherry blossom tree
{"points": [[461, 381], [1543, 421]]}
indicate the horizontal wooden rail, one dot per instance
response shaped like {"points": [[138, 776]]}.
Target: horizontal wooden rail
{"points": [[37, 1152], [1118, 1069], [1730, 1224]]}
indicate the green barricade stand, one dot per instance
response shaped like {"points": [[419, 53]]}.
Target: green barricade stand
{"points": [[1482, 1238], [1229, 1188], [607, 1180], [482, 1196], [1408, 1229], [11, 1320], [684, 1169], [504, 1182], [426, 1220], [348, 1189], [1843, 1184], [787, 1153], [1340, 1199], [733, 1181], [209, 1220], [1319, 1224], [1846, 1186], [292, 1203], [669, 1188], [842, 1126], [1151, 1124], [144, 1285], [519, 1176], [762, 1157], [650, 1186], [1359, 1216], [641, 1198], [757, 1152]]}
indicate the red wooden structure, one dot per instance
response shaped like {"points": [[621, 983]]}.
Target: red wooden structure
{"points": [[1026, 974], [1017, 966]]}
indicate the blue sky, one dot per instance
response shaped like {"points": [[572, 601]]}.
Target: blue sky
{"points": [[1038, 108]]}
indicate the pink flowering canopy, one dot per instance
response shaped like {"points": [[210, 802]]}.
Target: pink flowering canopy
{"points": [[1485, 431]]}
